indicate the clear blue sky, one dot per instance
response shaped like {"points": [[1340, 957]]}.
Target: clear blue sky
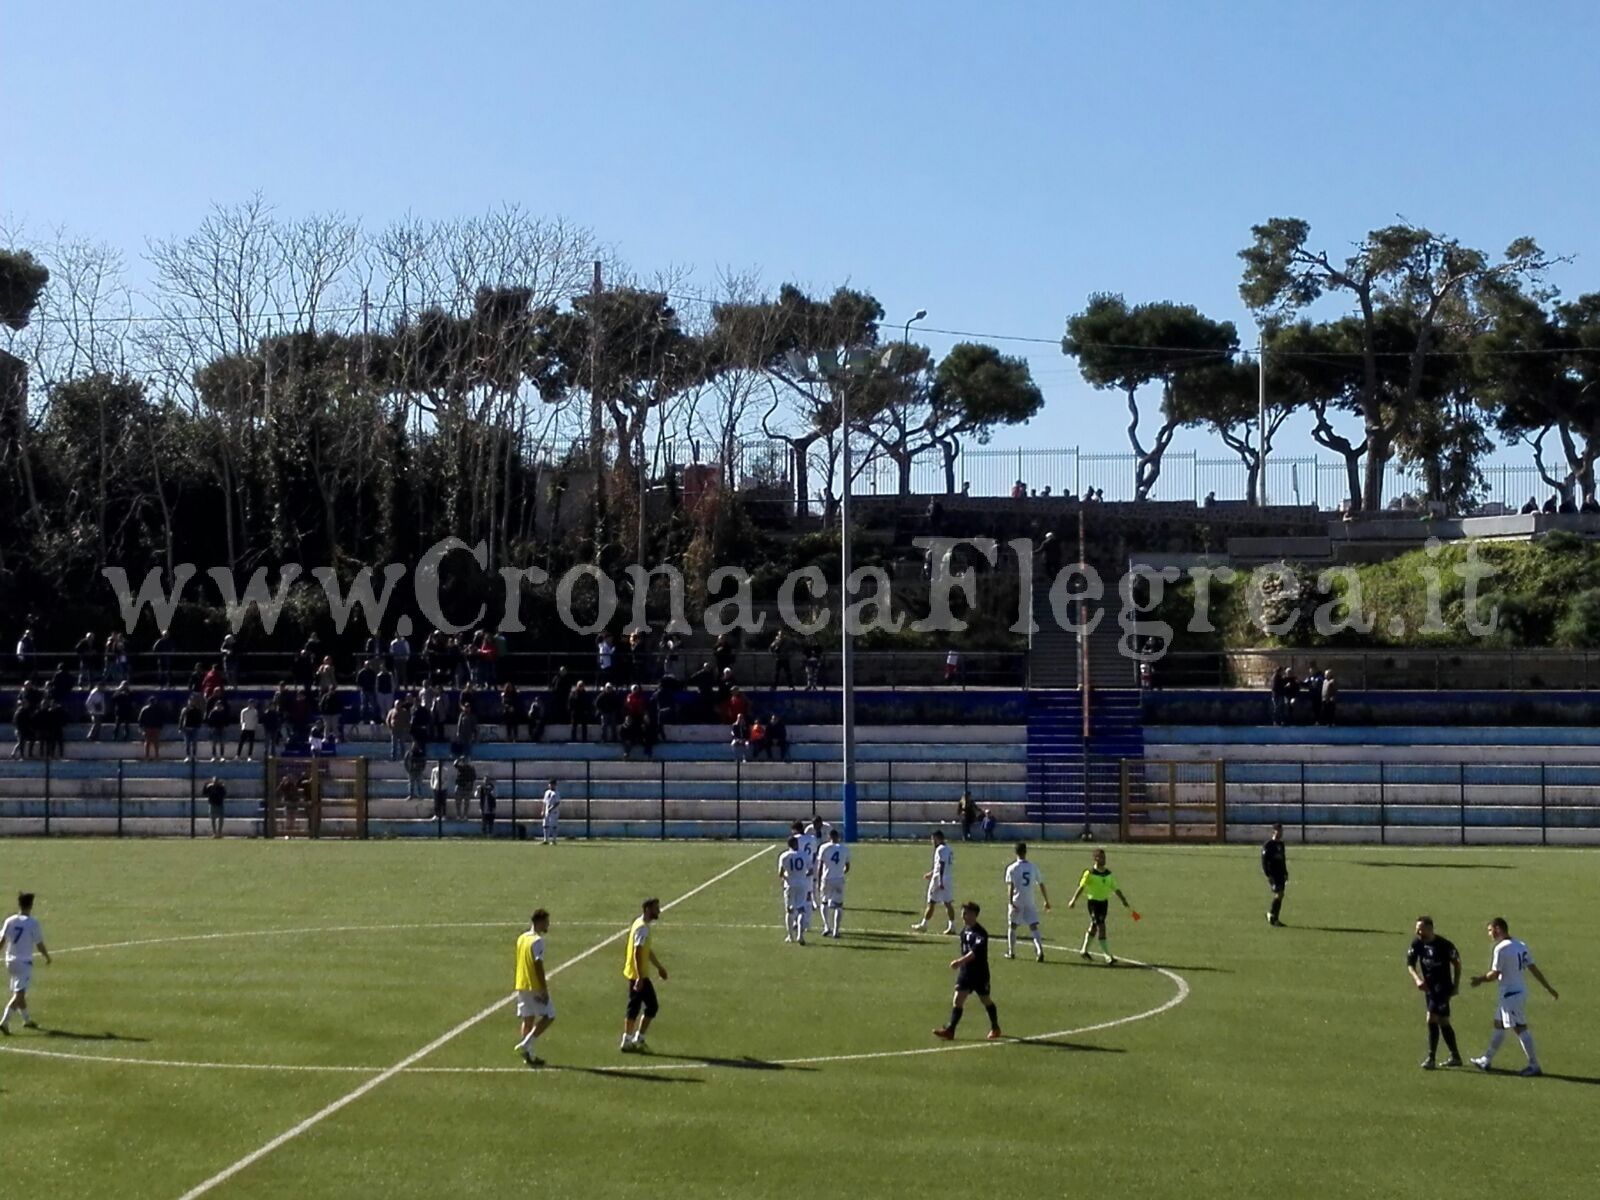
{"points": [[993, 163]]}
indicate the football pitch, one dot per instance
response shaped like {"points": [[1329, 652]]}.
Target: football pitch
{"points": [[253, 1019]]}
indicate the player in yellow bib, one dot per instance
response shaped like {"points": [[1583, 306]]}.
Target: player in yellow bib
{"points": [[534, 1009], [1099, 885], [637, 960]]}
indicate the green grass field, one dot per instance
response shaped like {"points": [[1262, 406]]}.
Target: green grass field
{"points": [[1290, 1069]]}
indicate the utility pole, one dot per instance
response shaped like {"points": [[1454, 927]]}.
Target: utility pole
{"points": [[847, 665], [1261, 418], [596, 423]]}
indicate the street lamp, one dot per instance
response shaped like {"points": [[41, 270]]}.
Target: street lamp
{"points": [[906, 337]]}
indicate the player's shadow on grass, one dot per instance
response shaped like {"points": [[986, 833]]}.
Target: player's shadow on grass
{"points": [[892, 912], [893, 947], [1348, 929], [73, 1035], [739, 1064], [1442, 866], [624, 1073], [1057, 1044]]}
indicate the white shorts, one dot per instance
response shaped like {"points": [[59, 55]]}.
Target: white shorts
{"points": [[796, 899], [940, 893], [1021, 915], [1511, 1012], [21, 973], [833, 892], [531, 1008]]}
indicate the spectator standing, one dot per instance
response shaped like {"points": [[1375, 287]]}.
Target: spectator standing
{"points": [[216, 794], [150, 723], [605, 657], [782, 651], [580, 706], [124, 711], [670, 659], [440, 712], [249, 724], [560, 694], [608, 707], [398, 722], [53, 729], [190, 718], [230, 659], [1275, 691], [162, 648], [436, 786], [272, 725], [510, 710], [1314, 681], [96, 706], [217, 720], [85, 652], [326, 676], [536, 720], [385, 686], [400, 656], [416, 758], [421, 723], [486, 805], [331, 709], [967, 813], [777, 737], [813, 665], [1330, 699], [467, 729], [367, 691], [638, 656], [952, 667], [988, 825], [466, 777]]}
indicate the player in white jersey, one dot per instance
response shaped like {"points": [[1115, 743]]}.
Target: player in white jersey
{"points": [[1510, 960], [794, 877], [22, 937], [833, 864], [550, 813], [1022, 877], [818, 831], [941, 886]]}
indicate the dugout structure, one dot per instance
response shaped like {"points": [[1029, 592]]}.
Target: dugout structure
{"points": [[1171, 801], [315, 797]]}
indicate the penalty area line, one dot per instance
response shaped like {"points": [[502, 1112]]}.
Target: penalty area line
{"points": [[350, 1097]]}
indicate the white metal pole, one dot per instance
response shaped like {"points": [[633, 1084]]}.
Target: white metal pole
{"points": [[1261, 419]]}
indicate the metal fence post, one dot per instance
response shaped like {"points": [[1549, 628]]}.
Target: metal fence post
{"points": [[119, 797], [1544, 816], [738, 796], [813, 785], [888, 790], [513, 799], [1302, 803], [47, 797], [193, 768], [1383, 827], [1461, 793], [663, 800]]}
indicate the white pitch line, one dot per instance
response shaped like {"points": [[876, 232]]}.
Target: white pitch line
{"points": [[389, 1073], [312, 1068]]}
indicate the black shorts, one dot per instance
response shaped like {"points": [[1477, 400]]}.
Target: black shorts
{"points": [[1437, 1002], [642, 1000], [1277, 882], [1099, 910], [968, 980]]}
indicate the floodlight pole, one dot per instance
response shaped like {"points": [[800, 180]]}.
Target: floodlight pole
{"points": [[847, 665], [1261, 419]]}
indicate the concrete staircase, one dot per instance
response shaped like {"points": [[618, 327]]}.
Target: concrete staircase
{"points": [[1076, 779], [1054, 659]]}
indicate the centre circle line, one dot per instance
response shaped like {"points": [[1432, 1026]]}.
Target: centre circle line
{"points": [[1178, 997]]}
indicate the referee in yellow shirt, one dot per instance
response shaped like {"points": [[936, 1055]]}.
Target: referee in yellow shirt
{"points": [[1099, 884]]}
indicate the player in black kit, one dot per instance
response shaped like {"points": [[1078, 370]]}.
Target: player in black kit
{"points": [[972, 975], [1275, 866], [1436, 970]]}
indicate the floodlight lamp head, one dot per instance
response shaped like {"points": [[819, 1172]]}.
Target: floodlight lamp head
{"points": [[798, 363], [921, 312]]}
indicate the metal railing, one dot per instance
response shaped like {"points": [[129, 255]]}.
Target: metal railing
{"points": [[1365, 801], [1391, 669], [752, 668], [718, 796]]}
